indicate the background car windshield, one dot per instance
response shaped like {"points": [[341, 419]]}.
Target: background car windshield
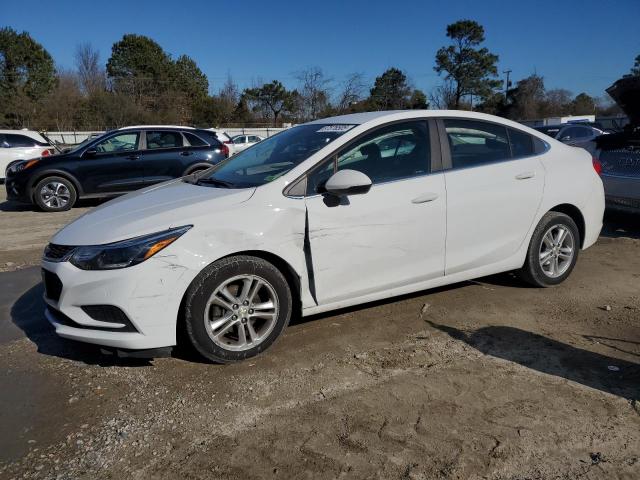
{"points": [[276, 155]]}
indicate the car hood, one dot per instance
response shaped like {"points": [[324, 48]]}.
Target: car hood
{"points": [[626, 93], [154, 209]]}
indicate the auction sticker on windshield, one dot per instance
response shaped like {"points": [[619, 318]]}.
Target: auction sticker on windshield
{"points": [[335, 128]]}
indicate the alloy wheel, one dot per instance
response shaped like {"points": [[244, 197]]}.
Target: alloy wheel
{"points": [[241, 312], [55, 194], [556, 250]]}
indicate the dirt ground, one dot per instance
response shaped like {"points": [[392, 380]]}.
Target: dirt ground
{"points": [[486, 379]]}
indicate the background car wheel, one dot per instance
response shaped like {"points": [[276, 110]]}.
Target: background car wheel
{"points": [[55, 194], [553, 250], [236, 308]]}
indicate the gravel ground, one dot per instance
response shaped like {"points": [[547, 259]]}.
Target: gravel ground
{"points": [[484, 379]]}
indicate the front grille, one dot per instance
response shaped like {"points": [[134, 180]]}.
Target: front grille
{"points": [[52, 285], [109, 314], [57, 253]]}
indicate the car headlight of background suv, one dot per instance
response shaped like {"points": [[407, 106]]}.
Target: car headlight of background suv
{"points": [[20, 165], [122, 254]]}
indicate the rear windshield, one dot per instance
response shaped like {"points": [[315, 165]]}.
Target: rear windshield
{"points": [[273, 157]]}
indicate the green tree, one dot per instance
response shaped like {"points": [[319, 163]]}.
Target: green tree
{"points": [[27, 75], [189, 79], [472, 70], [583, 104], [418, 100], [272, 98], [527, 98], [138, 66], [390, 91]]}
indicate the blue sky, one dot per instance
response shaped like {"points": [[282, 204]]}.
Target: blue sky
{"points": [[581, 45]]}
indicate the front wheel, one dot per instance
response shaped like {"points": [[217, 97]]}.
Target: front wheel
{"points": [[553, 250], [54, 194], [236, 308]]}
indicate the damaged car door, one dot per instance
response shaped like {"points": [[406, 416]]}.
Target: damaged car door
{"points": [[392, 234]]}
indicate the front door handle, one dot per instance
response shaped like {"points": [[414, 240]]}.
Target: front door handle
{"points": [[133, 157], [427, 197], [525, 175]]}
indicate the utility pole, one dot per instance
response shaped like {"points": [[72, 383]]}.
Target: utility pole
{"points": [[506, 84]]}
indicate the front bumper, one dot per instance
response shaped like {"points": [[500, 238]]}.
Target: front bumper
{"points": [[17, 190], [149, 294]]}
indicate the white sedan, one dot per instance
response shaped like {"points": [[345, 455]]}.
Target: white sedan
{"points": [[332, 213], [242, 142]]}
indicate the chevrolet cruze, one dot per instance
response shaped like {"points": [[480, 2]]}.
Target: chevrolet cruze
{"points": [[324, 215]]}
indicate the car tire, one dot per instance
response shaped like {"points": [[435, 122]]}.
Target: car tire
{"points": [[220, 311], [553, 251], [55, 194]]}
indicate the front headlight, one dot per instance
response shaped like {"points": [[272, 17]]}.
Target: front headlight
{"points": [[20, 165], [125, 253]]}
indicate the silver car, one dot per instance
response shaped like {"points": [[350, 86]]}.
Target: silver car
{"points": [[573, 134], [619, 153]]}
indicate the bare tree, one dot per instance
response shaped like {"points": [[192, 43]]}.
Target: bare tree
{"points": [[91, 75], [443, 97], [352, 92], [314, 90]]}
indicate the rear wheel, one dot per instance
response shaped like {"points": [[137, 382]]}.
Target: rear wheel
{"points": [[54, 194], [236, 308], [553, 251]]}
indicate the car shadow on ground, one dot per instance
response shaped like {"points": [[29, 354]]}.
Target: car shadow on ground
{"points": [[607, 374], [27, 313]]}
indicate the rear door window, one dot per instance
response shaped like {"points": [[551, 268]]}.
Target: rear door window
{"points": [[163, 139], [474, 143]]}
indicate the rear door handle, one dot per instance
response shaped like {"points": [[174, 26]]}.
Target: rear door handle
{"points": [[525, 175], [427, 197], [133, 157], [186, 153]]}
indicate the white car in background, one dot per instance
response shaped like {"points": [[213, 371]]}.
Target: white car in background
{"points": [[224, 138], [325, 215], [242, 142], [22, 145]]}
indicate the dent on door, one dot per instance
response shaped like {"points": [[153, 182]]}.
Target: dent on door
{"points": [[362, 244]]}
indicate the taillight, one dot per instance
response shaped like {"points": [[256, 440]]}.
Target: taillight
{"points": [[225, 150], [45, 153], [597, 166]]}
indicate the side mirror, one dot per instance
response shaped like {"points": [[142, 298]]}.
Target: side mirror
{"points": [[92, 152], [565, 138], [348, 182]]}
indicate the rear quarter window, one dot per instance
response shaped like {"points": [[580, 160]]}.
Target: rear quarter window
{"points": [[194, 140], [209, 137]]}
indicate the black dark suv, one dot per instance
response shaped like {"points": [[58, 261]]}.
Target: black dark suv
{"points": [[115, 163]]}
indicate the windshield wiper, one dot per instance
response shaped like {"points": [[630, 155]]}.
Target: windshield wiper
{"points": [[214, 181]]}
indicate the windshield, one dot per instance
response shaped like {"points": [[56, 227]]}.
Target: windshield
{"points": [[273, 157]]}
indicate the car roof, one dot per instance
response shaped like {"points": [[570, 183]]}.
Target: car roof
{"points": [[378, 118], [182, 127]]}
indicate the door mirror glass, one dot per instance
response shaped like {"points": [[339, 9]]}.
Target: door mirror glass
{"points": [[348, 182], [566, 138]]}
